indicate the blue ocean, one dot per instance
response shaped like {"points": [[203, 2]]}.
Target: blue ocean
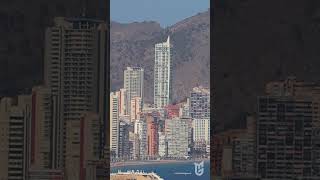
{"points": [[172, 171]]}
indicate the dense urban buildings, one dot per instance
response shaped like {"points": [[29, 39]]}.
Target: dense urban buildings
{"points": [[281, 140], [141, 131], [60, 129], [162, 74], [287, 126]]}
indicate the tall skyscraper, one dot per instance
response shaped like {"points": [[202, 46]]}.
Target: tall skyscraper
{"points": [[76, 72], [133, 83], [288, 129], [162, 74], [114, 124], [200, 103], [176, 131]]}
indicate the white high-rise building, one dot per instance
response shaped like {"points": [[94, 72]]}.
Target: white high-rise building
{"points": [[76, 72], [133, 83], [114, 124], [201, 130], [176, 131], [162, 74]]}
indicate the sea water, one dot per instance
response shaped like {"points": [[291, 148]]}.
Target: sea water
{"points": [[171, 171]]}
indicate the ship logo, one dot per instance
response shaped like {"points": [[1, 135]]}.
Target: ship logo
{"points": [[199, 168]]}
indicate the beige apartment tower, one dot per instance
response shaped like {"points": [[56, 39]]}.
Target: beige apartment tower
{"points": [[76, 60], [133, 83]]}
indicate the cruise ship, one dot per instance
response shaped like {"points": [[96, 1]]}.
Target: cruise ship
{"points": [[136, 175]]}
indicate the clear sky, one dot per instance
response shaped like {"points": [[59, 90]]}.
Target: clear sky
{"points": [[166, 12]]}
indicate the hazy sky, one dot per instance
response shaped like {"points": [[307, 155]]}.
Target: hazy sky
{"points": [[166, 12]]}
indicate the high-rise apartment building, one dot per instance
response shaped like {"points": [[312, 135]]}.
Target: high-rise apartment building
{"points": [[19, 124], [85, 146], [140, 129], [76, 72], [135, 143], [135, 108], [200, 103], [5, 106], [243, 157], [15, 116], [89, 143], [176, 131], [288, 131], [123, 101], [152, 135], [162, 74], [114, 124], [43, 129], [124, 145], [244, 151], [201, 130], [133, 83], [162, 144]]}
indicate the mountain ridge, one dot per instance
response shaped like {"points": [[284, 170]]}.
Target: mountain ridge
{"points": [[132, 44]]}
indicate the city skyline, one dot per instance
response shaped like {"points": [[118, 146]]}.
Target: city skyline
{"points": [[157, 128], [62, 127]]}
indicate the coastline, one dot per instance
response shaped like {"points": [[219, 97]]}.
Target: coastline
{"points": [[150, 162]]}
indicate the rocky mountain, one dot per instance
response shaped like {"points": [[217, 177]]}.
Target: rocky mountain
{"points": [[256, 42], [133, 45]]}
